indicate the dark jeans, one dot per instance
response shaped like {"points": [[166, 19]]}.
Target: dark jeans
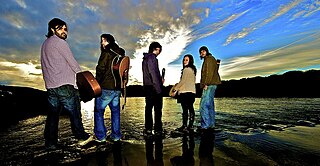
{"points": [[187, 100], [153, 101], [66, 97]]}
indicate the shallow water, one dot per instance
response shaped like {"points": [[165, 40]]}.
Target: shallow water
{"points": [[253, 130], [232, 114]]}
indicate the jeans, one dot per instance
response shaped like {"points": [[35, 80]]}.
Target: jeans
{"points": [[207, 111], [66, 97], [111, 98], [153, 100]]}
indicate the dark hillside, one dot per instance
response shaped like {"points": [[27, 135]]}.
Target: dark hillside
{"points": [[20, 103], [290, 84]]}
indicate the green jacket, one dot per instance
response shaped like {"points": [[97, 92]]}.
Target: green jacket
{"points": [[209, 72]]}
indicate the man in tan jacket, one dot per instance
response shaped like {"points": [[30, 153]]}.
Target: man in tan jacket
{"points": [[210, 78]]}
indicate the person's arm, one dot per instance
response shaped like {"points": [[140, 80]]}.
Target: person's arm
{"points": [[215, 67], [204, 74], [64, 49], [155, 74]]}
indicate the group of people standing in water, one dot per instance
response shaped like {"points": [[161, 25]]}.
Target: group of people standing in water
{"points": [[185, 89], [59, 68]]}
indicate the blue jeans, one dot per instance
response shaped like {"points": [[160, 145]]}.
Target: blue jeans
{"points": [[111, 98], [67, 97], [207, 111]]}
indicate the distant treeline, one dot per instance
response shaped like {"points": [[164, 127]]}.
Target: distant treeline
{"points": [[289, 84]]}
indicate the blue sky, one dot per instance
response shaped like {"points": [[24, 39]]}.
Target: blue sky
{"points": [[251, 37]]}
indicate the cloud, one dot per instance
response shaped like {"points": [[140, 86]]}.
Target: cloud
{"points": [[172, 43], [21, 74], [215, 27], [296, 55], [207, 11], [134, 25], [177, 25], [307, 10], [21, 3], [256, 25], [170, 26], [15, 19]]}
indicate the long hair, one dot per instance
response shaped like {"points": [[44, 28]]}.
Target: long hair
{"points": [[190, 64], [110, 39], [206, 49], [55, 23], [153, 46]]}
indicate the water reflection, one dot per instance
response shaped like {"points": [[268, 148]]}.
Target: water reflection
{"points": [[117, 155], [103, 151], [154, 154], [187, 158], [206, 147]]}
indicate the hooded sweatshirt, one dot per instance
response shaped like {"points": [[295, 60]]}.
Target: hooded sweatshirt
{"points": [[151, 72]]}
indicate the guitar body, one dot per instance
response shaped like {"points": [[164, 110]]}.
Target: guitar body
{"points": [[124, 71], [89, 87], [124, 76]]}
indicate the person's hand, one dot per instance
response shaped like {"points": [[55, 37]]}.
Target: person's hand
{"points": [[162, 81]]}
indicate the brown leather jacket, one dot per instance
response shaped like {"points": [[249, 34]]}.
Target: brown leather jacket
{"points": [[209, 72]]}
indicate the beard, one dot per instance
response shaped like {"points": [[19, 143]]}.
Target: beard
{"points": [[61, 35]]}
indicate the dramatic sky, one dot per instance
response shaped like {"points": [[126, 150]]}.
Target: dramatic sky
{"points": [[251, 37]]}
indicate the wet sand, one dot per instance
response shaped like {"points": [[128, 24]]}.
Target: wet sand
{"points": [[23, 145]]}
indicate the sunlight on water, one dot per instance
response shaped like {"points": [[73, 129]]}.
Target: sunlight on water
{"points": [[87, 115], [231, 113], [88, 108]]}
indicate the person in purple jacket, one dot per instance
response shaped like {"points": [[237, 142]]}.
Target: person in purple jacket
{"points": [[59, 70], [152, 84]]}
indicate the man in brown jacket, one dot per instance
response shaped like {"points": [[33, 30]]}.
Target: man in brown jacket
{"points": [[210, 78]]}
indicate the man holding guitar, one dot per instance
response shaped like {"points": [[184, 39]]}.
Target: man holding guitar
{"points": [[59, 70]]}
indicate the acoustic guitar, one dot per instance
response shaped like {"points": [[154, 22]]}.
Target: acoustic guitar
{"points": [[124, 76], [89, 87]]}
